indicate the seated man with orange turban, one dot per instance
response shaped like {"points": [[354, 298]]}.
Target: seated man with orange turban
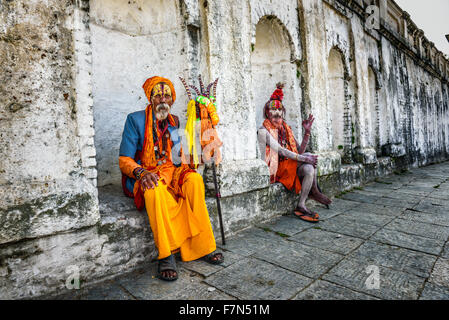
{"points": [[172, 192], [287, 162]]}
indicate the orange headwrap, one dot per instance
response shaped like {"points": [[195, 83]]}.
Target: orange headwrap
{"points": [[150, 83]]}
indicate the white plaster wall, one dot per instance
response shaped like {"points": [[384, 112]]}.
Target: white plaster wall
{"points": [[270, 64], [317, 88], [392, 94], [130, 43]]}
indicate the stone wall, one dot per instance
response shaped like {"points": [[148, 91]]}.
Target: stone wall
{"points": [[73, 69], [48, 167]]}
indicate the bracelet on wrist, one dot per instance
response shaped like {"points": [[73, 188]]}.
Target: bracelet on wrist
{"points": [[138, 173]]}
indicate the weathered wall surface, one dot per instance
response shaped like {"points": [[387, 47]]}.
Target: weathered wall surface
{"points": [[72, 70], [44, 184], [47, 171]]}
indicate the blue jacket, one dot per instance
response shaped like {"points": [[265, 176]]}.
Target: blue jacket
{"points": [[133, 137]]}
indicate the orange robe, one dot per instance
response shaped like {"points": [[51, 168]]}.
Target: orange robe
{"points": [[286, 172]]}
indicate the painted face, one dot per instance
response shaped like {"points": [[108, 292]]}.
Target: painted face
{"points": [[162, 100], [162, 90], [276, 117]]}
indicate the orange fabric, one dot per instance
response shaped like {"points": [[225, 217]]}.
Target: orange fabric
{"points": [[178, 180], [148, 155], [176, 207], [272, 158], [287, 175], [127, 166], [150, 83], [211, 142], [180, 224]]}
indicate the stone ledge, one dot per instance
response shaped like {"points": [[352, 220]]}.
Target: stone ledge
{"points": [[48, 215], [244, 210], [355, 175], [238, 177], [365, 155], [120, 242], [329, 162], [118, 213]]}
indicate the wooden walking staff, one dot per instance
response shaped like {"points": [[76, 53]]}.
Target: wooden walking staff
{"points": [[204, 107]]}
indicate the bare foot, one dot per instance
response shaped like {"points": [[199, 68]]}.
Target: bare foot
{"points": [[319, 197], [169, 274]]}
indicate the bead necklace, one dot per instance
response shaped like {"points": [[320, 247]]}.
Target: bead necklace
{"points": [[161, 156]]}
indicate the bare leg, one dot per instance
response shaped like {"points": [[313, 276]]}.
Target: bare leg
{"points": [[306, 173], [316, 194]]}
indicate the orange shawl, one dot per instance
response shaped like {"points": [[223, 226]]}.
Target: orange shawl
{"points": [[272, 157]]}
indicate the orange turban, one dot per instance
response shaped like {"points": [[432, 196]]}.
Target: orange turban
{"points": [[152, 82]]}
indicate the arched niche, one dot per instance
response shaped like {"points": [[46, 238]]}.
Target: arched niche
{"points": [[338, 100], [131, 41], [372, 115], [271, 63]]}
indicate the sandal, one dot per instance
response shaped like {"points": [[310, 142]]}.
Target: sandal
{"points": [[167, 264], [210, 258], [309, 217]]}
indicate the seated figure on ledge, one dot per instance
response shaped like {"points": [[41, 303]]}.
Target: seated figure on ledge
{"points": [[287, 162], [173, 194]]}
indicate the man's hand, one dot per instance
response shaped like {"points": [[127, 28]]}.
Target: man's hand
{"points": [[149, 181], [307, 124], [311, 159]]}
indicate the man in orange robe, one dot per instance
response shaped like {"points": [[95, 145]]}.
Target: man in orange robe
{"points": [[286, 159], [172, 192]]}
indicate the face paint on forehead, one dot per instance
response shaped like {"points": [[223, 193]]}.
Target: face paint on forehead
{"points": [[161, 89]]}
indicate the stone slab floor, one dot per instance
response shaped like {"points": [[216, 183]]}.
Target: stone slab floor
{"points": [[387, 240]]}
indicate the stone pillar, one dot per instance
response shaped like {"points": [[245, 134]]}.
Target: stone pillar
{"points": [[316, 85], [48, 197], [241, 171], [405, 18], [48, 174], [420, 43]]}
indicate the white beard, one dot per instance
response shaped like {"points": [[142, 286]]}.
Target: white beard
{"points": [[161, 111]]}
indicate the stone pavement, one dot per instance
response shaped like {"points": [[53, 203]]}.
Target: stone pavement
{"points": [[394, 230]]}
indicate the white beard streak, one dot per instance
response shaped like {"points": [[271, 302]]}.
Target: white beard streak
{"points": [[162, 111], [276, 113]]}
